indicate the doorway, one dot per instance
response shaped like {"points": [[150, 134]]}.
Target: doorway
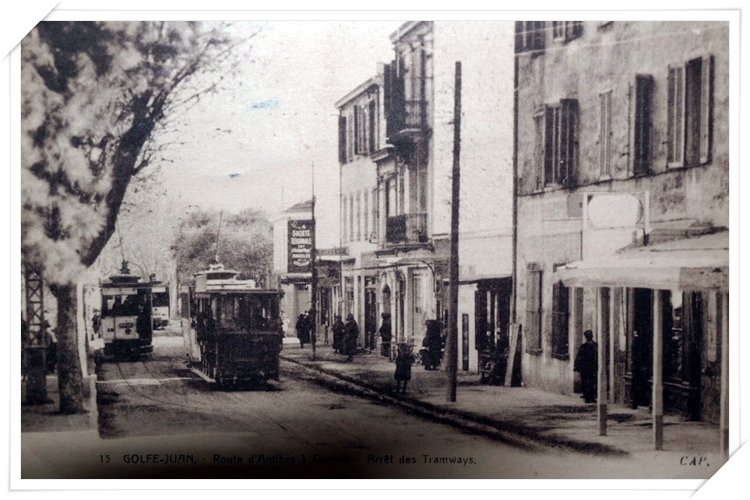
{"points": [[642, 355]]}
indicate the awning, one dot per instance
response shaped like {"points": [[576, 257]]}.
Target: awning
{"points": [[696, 263]]}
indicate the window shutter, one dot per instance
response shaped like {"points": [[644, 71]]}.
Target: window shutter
{"points": [[342, 139], [568, 174], [706, 108], [605, 134], [551, 116], [642, 129], [676, 116], [538, 152], [357, 130]]}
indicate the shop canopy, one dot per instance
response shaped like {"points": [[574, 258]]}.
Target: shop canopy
{"points": [[696, 263]]}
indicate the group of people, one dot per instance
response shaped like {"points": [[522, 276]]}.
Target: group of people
{"points": [[345, 336]]}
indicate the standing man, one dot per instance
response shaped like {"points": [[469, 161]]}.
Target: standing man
{"points": [[351, 331], [338, 329], [302, 330], [586, 364]]}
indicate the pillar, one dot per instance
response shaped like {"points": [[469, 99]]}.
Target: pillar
{"points": [[657, 390]]}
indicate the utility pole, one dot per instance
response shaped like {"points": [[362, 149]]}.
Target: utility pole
{"points": [[452, 341], [314, 274]]}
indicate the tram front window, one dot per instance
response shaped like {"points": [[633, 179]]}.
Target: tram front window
{"points": [[246, 312]]}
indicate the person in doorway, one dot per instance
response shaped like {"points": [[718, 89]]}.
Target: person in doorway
{"points": [[351, 332], [338, 329], [404, 360], [586, 363], [385, 335]]}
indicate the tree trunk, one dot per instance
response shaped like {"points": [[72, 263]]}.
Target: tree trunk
{"points": [[70, 375]]}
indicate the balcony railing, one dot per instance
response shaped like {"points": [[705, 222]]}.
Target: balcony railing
{"points": [[406, 228]]}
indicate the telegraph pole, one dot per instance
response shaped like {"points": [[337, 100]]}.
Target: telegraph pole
{"points": [[314, 273], [452, 341]]}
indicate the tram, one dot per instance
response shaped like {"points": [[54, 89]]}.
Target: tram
{"points": [[234, 334], [160, 306], [126, 323]]}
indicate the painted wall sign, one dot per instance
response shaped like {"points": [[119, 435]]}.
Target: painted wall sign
{"points": [[300, 238]]}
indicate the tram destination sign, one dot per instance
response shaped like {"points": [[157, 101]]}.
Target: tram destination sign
{"points": [[300, 241]]}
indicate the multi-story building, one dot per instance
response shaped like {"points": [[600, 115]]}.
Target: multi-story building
{"points": [[396, 144], [623, 212], [361, 139]]}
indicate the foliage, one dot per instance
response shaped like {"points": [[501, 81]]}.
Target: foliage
{"points": [[245, 243], [94, 97]]}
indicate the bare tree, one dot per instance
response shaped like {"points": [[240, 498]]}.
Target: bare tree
{"points": [[95, 97]]}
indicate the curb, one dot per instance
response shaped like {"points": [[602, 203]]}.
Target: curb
{"points": [[507, 432]]}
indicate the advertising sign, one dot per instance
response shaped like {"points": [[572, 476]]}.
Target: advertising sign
{"points": [[300, 238]]}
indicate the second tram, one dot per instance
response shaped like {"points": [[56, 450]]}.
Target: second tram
{"points": [[234, 333], [126, 323], [160, 309]]}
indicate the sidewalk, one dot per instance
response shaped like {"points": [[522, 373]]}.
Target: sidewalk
{"points": [[526, 417]]}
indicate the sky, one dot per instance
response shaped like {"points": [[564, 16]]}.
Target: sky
{"points": [[256, 144]]}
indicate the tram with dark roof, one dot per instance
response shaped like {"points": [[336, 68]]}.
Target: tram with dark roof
{"points": [[235, 332], [126, 315]]}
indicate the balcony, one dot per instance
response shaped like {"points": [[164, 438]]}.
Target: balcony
{"points": [[406, 120], [406, 228]]}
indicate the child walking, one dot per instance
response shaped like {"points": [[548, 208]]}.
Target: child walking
{"points": [[404, 360]]}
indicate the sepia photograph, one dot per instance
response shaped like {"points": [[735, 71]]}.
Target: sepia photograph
{"points": [[375, 249]]}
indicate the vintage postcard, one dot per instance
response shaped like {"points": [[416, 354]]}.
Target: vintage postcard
{"points": [[404, 249]]}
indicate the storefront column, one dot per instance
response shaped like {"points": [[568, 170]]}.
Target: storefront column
{"points": [[724, 398], [657, 389]]}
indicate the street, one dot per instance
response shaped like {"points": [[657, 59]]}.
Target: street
{"points": [[162, 421]]}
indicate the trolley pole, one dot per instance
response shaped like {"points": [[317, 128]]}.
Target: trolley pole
{"points": [[452, 341], [314, 274]]}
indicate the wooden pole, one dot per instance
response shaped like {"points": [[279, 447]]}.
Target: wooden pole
{"points": [[657, 389], [724, 398], [452, 341], [314, 274]]}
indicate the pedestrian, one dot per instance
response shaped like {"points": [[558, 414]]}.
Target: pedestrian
{"points": [[586, 363], [351, 336], [404, 360], [385, 335], [303, 332], [96, 323], [338, 335], [433, 344]]}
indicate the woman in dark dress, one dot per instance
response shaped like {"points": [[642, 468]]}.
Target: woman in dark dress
{"points": [[404, 360], [338, 335]]}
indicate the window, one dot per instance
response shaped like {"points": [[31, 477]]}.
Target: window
{"points": [[529, 35], [344, 220], [605, 134], [351, 218], [566, 30], [560, 315], [689, 96], [373, 126], [365, 217], [643, 105], [559, 154], [359, 216], [533, 309]]}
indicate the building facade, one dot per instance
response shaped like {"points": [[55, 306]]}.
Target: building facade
{"points": [[622, 208], [401, 266]]}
